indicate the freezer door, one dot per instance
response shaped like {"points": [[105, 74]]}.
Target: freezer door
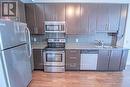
{"points": [[17, 65], [11, 34]]}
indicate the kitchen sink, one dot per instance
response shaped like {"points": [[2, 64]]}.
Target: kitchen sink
{"points": [[104, 46]]}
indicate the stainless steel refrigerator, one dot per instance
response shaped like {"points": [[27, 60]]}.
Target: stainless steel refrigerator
{"points": [[15, 54]]}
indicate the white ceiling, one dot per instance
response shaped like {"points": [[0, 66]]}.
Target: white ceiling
{"points": [[88, 1], [80, 1]]}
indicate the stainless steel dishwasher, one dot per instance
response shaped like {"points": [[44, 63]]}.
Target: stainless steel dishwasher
{"points": [[89, 59]]}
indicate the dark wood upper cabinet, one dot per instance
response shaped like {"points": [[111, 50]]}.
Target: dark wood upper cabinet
{"points": [[60, 12], [21, 12], [54, 12], [123, 18], [102, 17], [73, 17], [114, 17], [84, 18], [80, 18], [108, 17], [40, 18], [35, 18], [50, 12], [30, 17], [88, 18]]}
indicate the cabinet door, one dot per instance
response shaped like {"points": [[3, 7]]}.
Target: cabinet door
{"points": [[114, 17], [123, 18], [115, 58], [73, 14], [102, 17], [30, 17], [39, 11], [123, 59], [84, 18], [92, 17], [38, 59], [72, 59], [88, 18], [21, 12], [50, 14], [60, 12], [55, 12], [103, 60]]}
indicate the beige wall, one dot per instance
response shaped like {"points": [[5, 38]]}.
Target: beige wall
{"points": [[127, 35]]}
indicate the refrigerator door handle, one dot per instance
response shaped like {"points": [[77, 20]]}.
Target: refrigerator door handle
{"points": [[29, 42]]}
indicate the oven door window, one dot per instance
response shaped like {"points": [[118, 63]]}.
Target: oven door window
{"points": [[51, 57]]}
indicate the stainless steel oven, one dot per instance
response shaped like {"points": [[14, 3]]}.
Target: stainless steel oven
{"points": [[54, 56], [54, 61]]}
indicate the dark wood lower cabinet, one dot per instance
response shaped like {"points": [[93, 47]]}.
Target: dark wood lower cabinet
{"points": [[123, 59], [108, 59], [38, 59], [103, 60], [115, 59], [112, 60], [72, 59]]}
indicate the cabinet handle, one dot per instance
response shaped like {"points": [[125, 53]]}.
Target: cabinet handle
{"points": [[73, 65], [73, 57]]}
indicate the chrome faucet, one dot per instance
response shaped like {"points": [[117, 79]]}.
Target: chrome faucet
{"points": [[100, 43]]}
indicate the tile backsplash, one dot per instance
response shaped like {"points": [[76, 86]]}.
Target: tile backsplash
{"points": [[89, 39], [37, 38], [83, 39]]}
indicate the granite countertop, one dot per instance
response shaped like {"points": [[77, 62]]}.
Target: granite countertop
{"points": [[43, 45], [39, 45], [88, 46]]}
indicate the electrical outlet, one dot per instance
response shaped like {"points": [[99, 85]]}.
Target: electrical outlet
{"points": [[77, 40], [34, 39]]}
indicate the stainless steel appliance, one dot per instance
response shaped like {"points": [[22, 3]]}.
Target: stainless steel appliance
{"points": [[15, 54], [55, 29], [54, 60], [54, 56], [55, 26]]}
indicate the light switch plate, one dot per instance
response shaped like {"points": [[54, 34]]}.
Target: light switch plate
{"points": [[77, 40]]}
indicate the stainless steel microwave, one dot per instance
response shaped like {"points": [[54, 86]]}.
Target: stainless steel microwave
{"points": [[55, 26]]}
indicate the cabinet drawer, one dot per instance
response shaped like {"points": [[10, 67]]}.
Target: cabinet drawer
{"points": [[72, 66], [72, 54], [73, 57]]}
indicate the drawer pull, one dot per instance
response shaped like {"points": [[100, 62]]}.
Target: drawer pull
{"points": [[73, 65], [73, 57]]}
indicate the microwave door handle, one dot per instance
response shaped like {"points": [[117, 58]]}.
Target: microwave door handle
{"points": [[29, 42]]}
